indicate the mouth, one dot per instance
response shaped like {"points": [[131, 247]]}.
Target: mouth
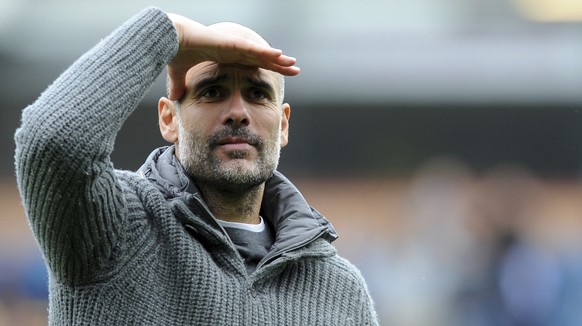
{"points": [[235, 143], [233, 140]]}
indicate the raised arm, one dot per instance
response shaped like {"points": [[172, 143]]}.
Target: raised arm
{"points": [[70, 193]]}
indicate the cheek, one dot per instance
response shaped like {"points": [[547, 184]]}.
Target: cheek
{"points": [[197, 124], [273, 131], [270, 122]]}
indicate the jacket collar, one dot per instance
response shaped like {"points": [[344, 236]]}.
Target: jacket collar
{"points": [[295, 222]]}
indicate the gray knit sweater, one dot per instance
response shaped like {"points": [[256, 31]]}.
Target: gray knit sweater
{"points": [[122, 252]]}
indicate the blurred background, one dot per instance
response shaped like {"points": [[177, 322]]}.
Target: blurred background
{"points": [[441, 138]]}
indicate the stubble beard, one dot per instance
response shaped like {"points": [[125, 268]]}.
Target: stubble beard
{"points": [[198, 158]]}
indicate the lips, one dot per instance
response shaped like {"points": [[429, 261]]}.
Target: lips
{"points": [[235, 144], [233, 140], [230, 138]]}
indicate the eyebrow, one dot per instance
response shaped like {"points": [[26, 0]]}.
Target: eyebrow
{"points": [[216, 79], [260, 83], [209, 81]]}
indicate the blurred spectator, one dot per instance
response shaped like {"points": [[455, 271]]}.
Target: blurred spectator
{"points": [[23, 289], [428, 261], [530, 283]]}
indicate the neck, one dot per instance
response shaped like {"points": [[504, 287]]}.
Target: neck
{"points": [[238, 207]]}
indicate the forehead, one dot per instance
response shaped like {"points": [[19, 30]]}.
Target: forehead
{"points": [[230, 72]]}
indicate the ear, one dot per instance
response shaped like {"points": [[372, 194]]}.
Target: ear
{"points": [[167, 121], [285, 114]]}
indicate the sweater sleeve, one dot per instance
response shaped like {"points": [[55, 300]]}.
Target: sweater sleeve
{"points": [[73, 201]]}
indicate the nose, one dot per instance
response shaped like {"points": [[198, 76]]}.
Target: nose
{"points": [[236, 111]]}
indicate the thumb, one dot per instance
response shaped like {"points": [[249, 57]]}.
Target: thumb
{"points": [[177, 84]]}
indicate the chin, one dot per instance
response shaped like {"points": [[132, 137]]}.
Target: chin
{"points": [[239, 166]]}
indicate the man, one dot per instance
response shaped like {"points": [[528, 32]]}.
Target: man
{"points": [[207, 232]]}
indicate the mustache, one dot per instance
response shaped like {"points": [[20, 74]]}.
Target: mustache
{"points": [[243, 133]]}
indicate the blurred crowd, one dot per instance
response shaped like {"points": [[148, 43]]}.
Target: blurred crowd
{"points": [[495, 248], [447, 246]]}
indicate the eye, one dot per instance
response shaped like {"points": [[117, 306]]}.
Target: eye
{"points": [[258, 94], [212, 92]]}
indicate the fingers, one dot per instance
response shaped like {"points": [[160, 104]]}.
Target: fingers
{"points": [[285, 65], [250, 53], [284, 70], [266, 57]]}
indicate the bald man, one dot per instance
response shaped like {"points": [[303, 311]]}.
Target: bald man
{"points": [[207, 231]]}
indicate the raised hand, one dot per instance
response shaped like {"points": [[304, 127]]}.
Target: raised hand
{"points": [[199, 43]]}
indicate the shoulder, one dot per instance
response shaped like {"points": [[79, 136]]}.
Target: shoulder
{"points": [[348, 271], [324, 256]]}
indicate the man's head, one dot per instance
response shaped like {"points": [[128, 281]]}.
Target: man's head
{"points": [[231, 123]]}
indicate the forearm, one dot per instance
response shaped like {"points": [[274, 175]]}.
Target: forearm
{"points": [[88, 103], [66, 138]]}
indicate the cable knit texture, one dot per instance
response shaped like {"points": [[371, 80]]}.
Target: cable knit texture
{"points": [[118, 252]]}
